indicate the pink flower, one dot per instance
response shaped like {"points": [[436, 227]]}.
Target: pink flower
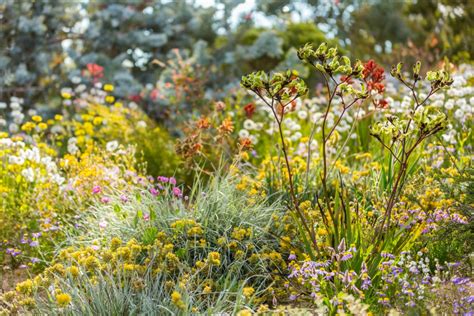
{"points": [[172, 181], [102, 224], [177, 192], [154, 94], [105, 200], [96, 189], [163, 179], [154, 191], [146, 217]]}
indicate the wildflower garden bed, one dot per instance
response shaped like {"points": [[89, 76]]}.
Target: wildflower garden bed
{"points": [[352, 196]]}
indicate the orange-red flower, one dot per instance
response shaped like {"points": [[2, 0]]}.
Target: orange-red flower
{"points": [[245, 143], [226, 127], [374, 75], [249, 110], [203, 123], [95, 71]]}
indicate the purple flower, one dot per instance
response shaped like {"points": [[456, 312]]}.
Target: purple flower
{"points": [[292, 256], [426, 280], [293, 297], [459, 281], [53, 228], [35, 260], [384, 301], [96, 189], [366, 283], [105, 199], [346, 256], [163, 179], [13, 252], [342, 246], [410, 304], [396, 270], [414, 270], [36, 235], [453, 264], [329, 276], [102, 224], [124, 198], [154, 191], [456, 218], [387, 255], [34, 243]]}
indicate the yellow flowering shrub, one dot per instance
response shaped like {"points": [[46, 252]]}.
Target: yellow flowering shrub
{"points": [[52, 169]]}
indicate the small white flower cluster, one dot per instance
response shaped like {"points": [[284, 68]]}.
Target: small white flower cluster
{"points": [[37, 167], [72, 147], [15, 115], [82, 97], [112, 146]]}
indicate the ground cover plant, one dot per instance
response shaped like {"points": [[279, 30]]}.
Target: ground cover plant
{"points": [[318, 183]]}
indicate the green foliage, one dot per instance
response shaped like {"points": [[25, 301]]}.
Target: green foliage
{"points": [[215, 253]]}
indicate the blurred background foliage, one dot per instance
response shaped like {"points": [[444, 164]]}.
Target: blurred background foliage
{"points": [[201, 48]]}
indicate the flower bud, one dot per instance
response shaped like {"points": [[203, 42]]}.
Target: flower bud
{"points": [[321, 51], [416, 70]]}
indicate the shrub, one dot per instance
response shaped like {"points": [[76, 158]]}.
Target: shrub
{"points": [[213, 251]]}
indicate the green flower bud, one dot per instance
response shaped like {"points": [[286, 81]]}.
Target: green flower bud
{"points": [[416, 70], [431, 76], [362, 93], [358, 69], [397, 70], [332, 52], [375, 130], [320, 68], [306, 53], [346, 61], [334, 64], [321, 51]]}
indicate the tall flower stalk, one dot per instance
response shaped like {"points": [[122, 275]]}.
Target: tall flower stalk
{"points": [[328, 62], [351, 83], [401, 136], [279, 93]]}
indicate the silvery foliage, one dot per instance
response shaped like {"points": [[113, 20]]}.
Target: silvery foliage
{"points": [[47, 44]]}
